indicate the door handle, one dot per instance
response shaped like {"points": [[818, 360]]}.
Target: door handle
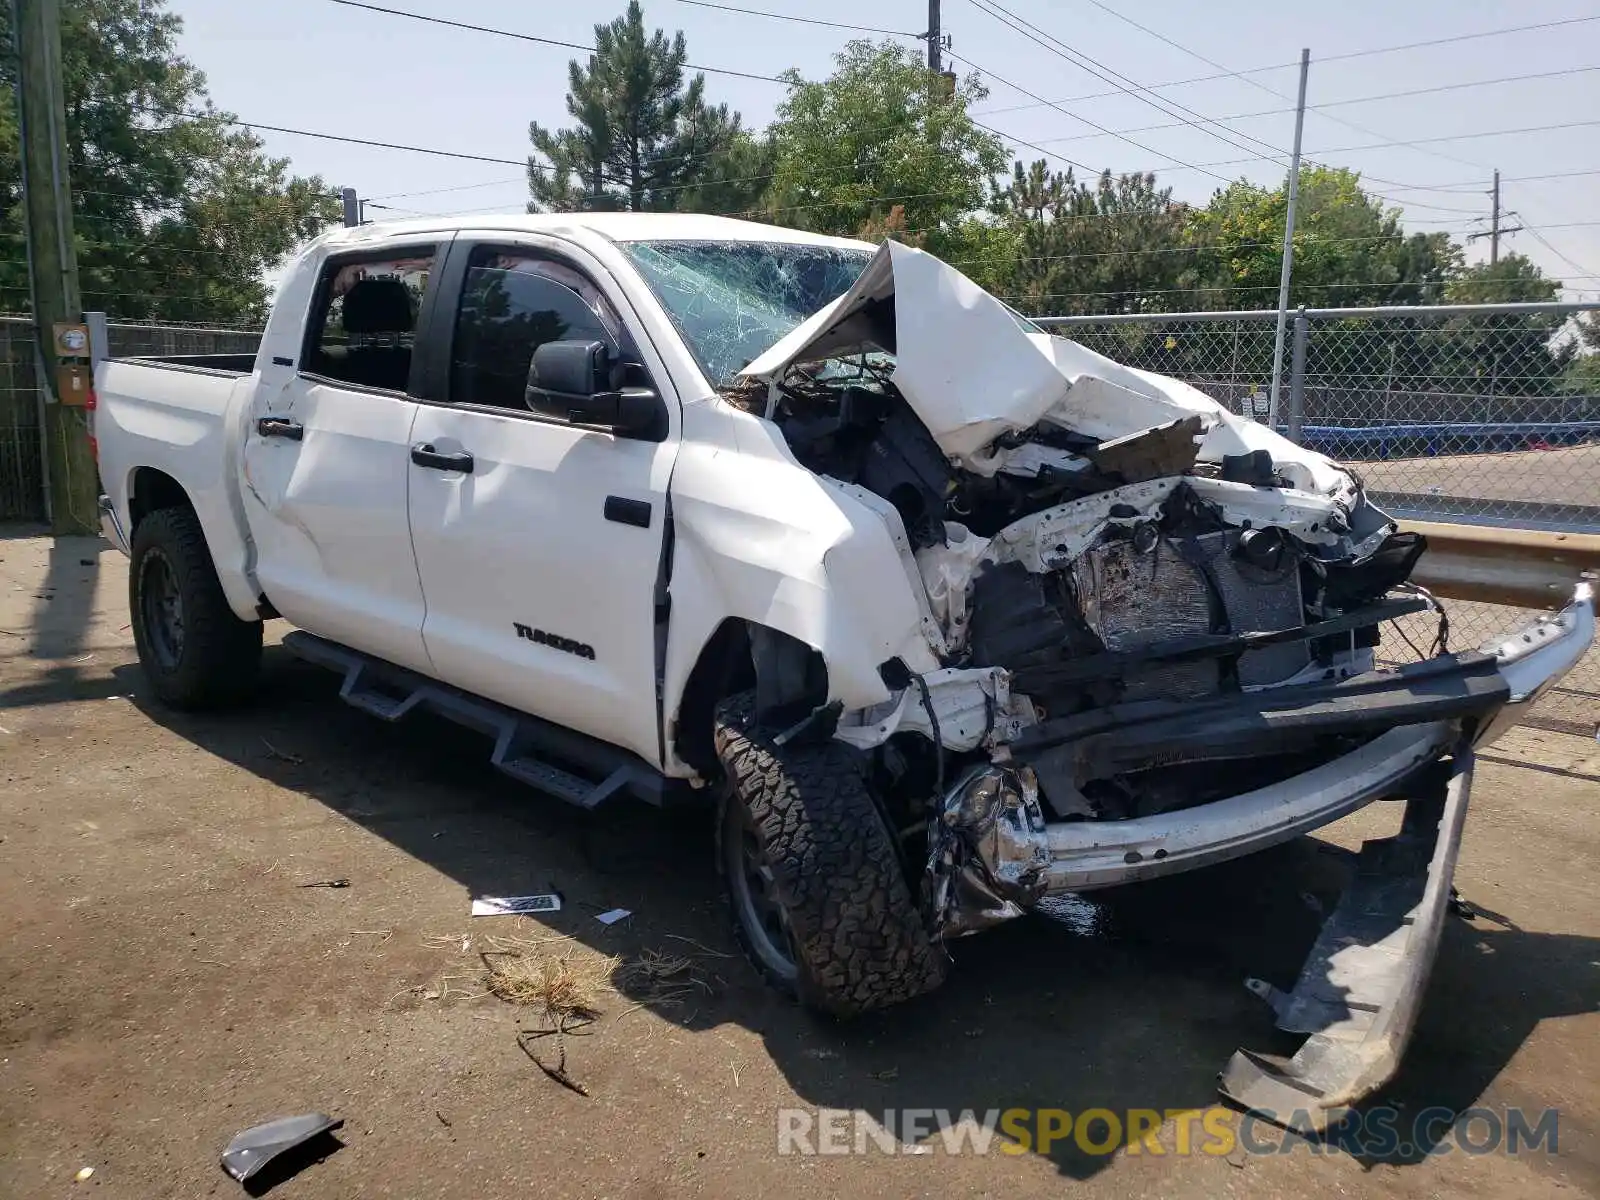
{"points": [[424, 455], [281, 427]]}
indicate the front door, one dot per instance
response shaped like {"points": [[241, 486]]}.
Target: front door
{"points": [[327, 462], [539, 543]]}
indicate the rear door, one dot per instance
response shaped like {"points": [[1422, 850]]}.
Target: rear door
{"points": [[327, 458], [539, 543]]}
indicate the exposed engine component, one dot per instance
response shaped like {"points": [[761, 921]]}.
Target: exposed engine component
{"points": [[905, 466], [1133, 599]]}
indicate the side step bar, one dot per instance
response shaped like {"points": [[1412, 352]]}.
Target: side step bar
{"points": [[559, 762], [1361, 988]]}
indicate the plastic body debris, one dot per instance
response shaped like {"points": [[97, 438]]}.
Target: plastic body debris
{"points": [[612, 917], [254, 1148], [506, 906]]}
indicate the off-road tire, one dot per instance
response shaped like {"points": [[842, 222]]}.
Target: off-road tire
{"points": [[217, 660], [856, 936]]}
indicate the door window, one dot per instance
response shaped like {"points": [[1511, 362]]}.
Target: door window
{"points": [[364, 328], [511, 305]]}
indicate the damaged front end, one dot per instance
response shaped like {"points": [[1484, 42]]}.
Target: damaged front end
{"points": [[1155, 620]]}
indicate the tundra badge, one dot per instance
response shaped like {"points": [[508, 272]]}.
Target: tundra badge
{"points": [[554, 640]]}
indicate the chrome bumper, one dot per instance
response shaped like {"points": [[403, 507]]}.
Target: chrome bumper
{"points": [[111, 525], [1094, 854], [1534, 659]]}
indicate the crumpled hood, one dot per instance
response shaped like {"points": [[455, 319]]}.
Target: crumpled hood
{"points": [[971, 370]]}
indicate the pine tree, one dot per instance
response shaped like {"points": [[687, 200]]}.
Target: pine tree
{"points": [[642, 139]]}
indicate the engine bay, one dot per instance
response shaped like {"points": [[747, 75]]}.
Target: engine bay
{"points": [[1089, 575]]}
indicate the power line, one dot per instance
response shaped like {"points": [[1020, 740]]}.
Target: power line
{"points": [[463, 187], [1234, 74], [756, 12], [528, 37], [224, 119], [1115, 78], [1076, 117], [1175, 164], [1540, 238], [1474, 185], [1232, 162], [1348, 124]]}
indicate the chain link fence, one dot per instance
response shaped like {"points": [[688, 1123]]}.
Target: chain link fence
{"points": [[21, 451], [1487, 414], [1483, 413]]}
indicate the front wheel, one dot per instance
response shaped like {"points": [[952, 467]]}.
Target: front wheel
{"points": [[194, 651], [819, 902]]}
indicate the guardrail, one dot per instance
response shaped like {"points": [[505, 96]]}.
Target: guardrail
{"points": [[1523, 568]]}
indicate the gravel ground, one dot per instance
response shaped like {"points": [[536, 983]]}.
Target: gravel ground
{"points": [[166, 978]]}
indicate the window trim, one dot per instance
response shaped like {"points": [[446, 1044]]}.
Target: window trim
{"points": [[316, 315]]}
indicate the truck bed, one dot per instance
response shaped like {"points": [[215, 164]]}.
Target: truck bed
{"points": [[175, 424], [224, 364]]}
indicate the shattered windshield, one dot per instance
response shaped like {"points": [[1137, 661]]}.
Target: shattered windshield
{"points": [[732, 300]]}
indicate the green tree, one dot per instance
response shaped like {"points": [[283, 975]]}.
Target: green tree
{"points": [[177, 213], [1515, 279], [1348, 248], [733, 181], [641, 137], [874, 137], [1582, 376], [1502, 354], [1115, 245]]}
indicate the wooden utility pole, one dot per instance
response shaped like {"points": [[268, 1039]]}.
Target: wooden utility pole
{"points": [[71, 481], [1496, 230], [935, 40]]}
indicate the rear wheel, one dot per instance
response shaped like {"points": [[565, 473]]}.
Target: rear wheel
{"points": [[819, 902], [194, 651]]}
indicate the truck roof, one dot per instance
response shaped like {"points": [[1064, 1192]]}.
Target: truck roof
{"points": [[589, 226]]}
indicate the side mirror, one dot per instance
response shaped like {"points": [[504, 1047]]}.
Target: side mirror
{"points": [[579, 382]]}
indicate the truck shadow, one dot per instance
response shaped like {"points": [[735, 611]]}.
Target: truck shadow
{"points": [[1127, 1000]]}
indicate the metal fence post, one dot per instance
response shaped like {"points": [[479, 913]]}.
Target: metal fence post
{"points": [[1297, 376]]}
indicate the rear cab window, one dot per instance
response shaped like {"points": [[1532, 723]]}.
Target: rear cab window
{"points": [[363, 325]]}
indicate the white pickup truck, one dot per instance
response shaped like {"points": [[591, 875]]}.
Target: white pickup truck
{"points": [[944, 614]]}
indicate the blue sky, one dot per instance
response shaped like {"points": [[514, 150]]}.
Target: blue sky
{"points": [[316, 65]]}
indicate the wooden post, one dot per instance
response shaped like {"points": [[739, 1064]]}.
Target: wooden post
{"points": [[71, 481]]}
